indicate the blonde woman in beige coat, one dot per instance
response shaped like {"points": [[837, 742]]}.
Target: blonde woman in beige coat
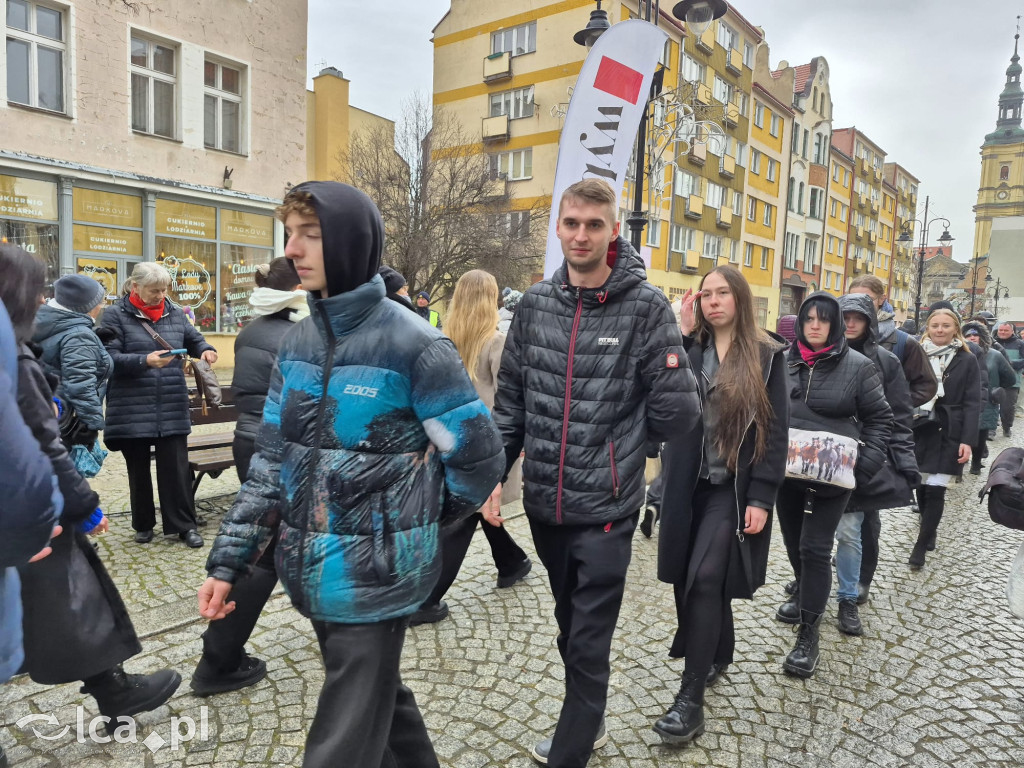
{"points": [[471, 324]]}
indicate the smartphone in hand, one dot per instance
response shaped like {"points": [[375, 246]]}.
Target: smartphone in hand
{"points": [[174, 352]]}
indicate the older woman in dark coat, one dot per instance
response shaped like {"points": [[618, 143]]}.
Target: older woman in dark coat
{"points": [[75, 624], [721, 480], [147, 402]]}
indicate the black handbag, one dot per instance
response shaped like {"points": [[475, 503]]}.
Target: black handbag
{"points": [[1005, 489], [73, 431]]}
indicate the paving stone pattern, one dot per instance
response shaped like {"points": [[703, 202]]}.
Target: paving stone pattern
{"points": [[936, 680]]}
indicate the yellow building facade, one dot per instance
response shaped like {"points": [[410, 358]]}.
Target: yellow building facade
{"points": [[903, 278], [837, 221], [864, 256]]}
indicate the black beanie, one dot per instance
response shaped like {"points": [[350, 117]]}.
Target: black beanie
{"points": [[393, 280]]}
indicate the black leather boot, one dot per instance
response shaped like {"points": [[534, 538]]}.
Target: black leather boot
{"points": [[119, 694], [789, 611], [647, 524], [803, 659], [684, 720], [933, 502]]}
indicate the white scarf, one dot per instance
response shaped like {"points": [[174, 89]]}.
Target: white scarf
{"points": [[267, 301], [939, 358]]}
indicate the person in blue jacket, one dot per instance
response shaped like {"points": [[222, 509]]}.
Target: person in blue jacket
{"points": [[372, 433]]}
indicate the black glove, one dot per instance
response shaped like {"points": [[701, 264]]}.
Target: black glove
{"points": [[913, 478]]}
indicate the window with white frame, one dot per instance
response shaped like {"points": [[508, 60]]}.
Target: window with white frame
{"points": [[681, 238], [819, 149], [755, 161], [796, 138], [515, 166], [36, 55], [792, 190], [773, 128], [748, 55], [515, 104], [748, 255], [833, 208], [686, 184], [810, 253], [773, 166], [654, 233], [843, 210], [765, 252], [712, 246], [835, 173], [223, 113], [727, 37], [737, 203], [741, 154], [722, 90], [768, 209], [515, 40], [792, 249], [154, 87], [817, 203], [759, 114], [751, 208], [691, 69], [716, 195], [828, 280], [743, 102], [734, 252], [666, 54]]}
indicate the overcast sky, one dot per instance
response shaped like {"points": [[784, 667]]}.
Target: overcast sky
{"points": [[920, 77]]}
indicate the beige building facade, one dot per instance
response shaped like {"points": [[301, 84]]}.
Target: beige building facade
{"points": [[146, 136]]}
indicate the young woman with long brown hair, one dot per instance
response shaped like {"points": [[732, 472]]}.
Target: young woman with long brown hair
{"points": [[721, 480], [472, 325]]}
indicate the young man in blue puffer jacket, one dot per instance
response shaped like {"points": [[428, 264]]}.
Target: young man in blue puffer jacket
{"points": [[372, 433]]}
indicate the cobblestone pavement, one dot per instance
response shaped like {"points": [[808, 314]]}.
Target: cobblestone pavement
{"points": [[936, 680]]}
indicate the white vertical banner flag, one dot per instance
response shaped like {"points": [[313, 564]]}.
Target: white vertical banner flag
{"points": [[604, 115]]}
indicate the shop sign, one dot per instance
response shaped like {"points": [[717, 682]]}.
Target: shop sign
{"points": [[96, 207], [246, 228], [104, 271], [186, 220], [190, 281], [124, 242], [28, 198]]}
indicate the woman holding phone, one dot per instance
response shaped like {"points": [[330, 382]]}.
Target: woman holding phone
{"points": [[147, 401], [721, 480]]}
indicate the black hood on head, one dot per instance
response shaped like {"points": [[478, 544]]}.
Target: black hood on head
{"points": [[859, 302], [836, 333], [352, 231]]}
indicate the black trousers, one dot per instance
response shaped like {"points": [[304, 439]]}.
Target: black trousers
{"points": [[586, 567], [654, 493], [809, 539], [706, 633], [365, 716], [224, 640], [1007, 411], [242, 449], [173, 480], [455, 540], [870, 532]]}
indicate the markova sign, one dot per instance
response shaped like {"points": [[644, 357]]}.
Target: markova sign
{"points": [[604, 114]]}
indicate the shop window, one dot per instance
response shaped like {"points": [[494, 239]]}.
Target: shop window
{"points": [[36, 55], [41, 240], [193, 266], [154, 87], [223, 106]]}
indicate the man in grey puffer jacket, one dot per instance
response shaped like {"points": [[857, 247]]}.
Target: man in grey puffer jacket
{"points": [[593, 368]]}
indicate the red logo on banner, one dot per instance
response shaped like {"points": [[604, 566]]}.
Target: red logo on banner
{"points": [[618, 80]]}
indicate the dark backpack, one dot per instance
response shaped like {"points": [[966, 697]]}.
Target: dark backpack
{"points": [[900, 349], [1005, 489]]}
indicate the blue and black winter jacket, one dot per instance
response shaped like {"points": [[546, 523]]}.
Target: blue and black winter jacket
{"points": [[372, 432]]}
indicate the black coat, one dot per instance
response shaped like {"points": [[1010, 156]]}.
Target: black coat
{"points": [[681, 461], [75, 624], [587, 377], [255, 354], [938, 443], [144, 402]]}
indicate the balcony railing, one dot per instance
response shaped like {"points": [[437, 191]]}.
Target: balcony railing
{"points": [[497, 66], [496, 128]]}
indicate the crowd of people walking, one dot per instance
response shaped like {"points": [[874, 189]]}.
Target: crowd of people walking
{"points": [[373, 440]]}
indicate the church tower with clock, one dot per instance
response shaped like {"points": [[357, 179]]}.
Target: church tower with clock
{"points": [[999, 213]]}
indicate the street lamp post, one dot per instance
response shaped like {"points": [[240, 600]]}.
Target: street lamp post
{"points": [[906, 238], [697, 15], [1000, 291], [974, 282]]}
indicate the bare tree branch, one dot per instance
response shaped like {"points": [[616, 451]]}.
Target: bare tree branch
{"points": [[444, 208]]}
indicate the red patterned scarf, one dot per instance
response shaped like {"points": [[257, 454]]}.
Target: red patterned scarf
{"points": [[154, 313]]}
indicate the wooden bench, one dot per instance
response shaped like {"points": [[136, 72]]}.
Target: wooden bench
{"points": [[210, 454]]}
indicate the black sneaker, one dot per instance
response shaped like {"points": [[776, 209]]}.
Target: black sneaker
{"points": [[849, 618], [430, 614], [542, 749], [207, 681], [119, 694], [516, 576]]}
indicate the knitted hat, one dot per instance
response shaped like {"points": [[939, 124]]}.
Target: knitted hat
{"points": [[943, 304], [423, 295], [512, 300], [393, 279], [79, 293]]}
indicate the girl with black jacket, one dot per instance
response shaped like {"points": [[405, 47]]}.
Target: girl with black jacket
{"points": [[833, 390], [76, 626], [279, 303], [946, 433], [721, 480]]}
